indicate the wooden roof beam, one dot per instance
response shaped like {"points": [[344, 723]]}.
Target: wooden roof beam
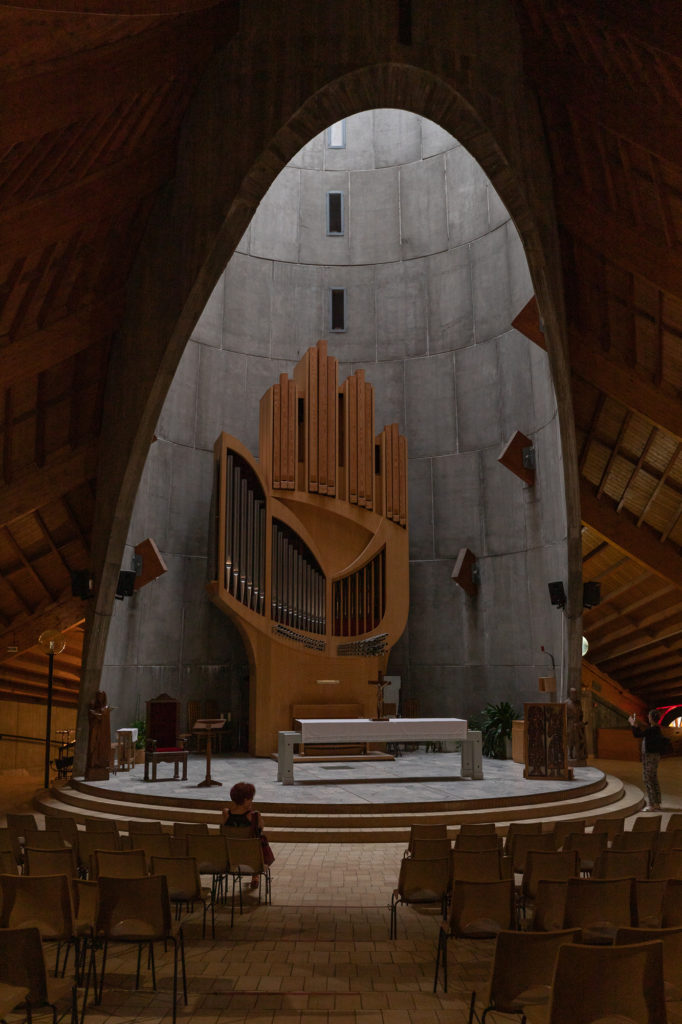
{"points": [[60, 474], [623, 383], [24, 635], [641, 544]]}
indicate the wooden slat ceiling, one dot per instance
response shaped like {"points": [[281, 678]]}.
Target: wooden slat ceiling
{"points": [[89, 121]]}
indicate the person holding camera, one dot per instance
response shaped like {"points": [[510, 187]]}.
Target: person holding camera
{"points": [[653, 745]]}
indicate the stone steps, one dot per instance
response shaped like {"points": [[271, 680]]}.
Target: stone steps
{"points": [[302, 823]]}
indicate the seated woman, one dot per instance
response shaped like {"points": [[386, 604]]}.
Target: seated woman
{"points": [[239, 814]]}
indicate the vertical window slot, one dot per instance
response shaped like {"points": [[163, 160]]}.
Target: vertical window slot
{"points": [[337, 309], [335, 213], [336, 135]]}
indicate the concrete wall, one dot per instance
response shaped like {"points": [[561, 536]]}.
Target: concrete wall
{"points": [[435, 273]]}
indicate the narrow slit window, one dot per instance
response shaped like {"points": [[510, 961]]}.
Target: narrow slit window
{"points": [[334, 213], [336, 135], [337, 309]]}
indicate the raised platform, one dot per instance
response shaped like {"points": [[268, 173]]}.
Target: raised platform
{"points": [[350, 801]]}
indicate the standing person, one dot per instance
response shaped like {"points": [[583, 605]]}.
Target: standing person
{"points": [[240, 814], [653, 745]]}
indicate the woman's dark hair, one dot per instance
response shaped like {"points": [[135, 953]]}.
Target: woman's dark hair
{"points": [[241, 792]]}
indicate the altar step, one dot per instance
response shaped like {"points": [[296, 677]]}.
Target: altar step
{"points": [[302, 823]]}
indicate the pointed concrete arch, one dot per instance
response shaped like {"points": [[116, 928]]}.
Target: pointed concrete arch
{"points": [[241, 129]]}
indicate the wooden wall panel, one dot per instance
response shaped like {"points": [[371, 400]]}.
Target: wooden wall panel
{"points": [[332, 413], [312, 412]]}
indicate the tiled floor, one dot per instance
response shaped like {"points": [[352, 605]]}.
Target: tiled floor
{"points": [[321, 953]]}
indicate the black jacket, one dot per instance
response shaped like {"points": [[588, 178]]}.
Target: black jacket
{"points": [[654, 742]]}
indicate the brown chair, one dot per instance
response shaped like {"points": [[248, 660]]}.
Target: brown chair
{"points": [[672, 904], [668, 840], [475, 866], [22, 965], [477, 828], [626, 841], [615, 983], [419, 831], [557, 866], [599, 906], [39, 901], [118, 864], [667, 865], [21, 824], [565, 827], [522, 971], [9, 843], [137, 910], [89, 842], [164, 743], [8, 865], [674, 822], [647, 823], [184, 887], [520, 828], [550, 906], [672, 954], [648, 911], [210, 853], [15, 998], [429, 849], [245, 860], [51, 862], [99, 826], [479, 910], [145, 828], [619, 864], [45, 840], [589, 845], [420, 883], [153, 846], [612, 826], [486, 841], [189, 828], [67, 828], [524, 842]]}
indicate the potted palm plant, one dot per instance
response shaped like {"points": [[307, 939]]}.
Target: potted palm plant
{"points": [[496, 726]]}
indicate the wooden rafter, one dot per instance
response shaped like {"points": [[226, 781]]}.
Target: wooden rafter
{"points": [[660, 483], [62, 472], [591, 430], [614, 454]]}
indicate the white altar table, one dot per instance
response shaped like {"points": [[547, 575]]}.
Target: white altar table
{"points": [[366, 730]]}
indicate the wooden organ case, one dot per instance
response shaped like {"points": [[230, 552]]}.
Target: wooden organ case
{"points": [[310, 547]]}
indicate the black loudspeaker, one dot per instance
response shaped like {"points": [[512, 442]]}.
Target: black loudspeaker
{"points": [[126, 584], [557, 594], [82, 583], [591, 593]]}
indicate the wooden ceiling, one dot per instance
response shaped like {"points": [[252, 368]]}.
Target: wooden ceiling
{"points": [[92, 106]]}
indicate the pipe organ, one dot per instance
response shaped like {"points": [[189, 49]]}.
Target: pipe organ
{"points": [[310, 548]]}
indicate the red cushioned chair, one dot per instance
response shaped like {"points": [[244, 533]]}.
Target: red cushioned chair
{"points": [[163, 742]]}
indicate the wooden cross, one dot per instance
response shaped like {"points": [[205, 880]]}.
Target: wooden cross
{"points": [[380, 683]]}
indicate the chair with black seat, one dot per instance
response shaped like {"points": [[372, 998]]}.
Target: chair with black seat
{"points": [[522, 971], [620, 864], [635, 841], [609, 983], [599, 906], [22, 965], [245, 859], [589, 845], [420, 883], [184, 887], [672, 954], [647, 823], [137, 910], [520, 828], [479, 910]]}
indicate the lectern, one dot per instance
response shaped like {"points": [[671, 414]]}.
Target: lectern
{"points": [[207, 727]]}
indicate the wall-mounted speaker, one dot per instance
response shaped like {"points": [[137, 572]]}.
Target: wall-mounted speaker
{"points": [[126, 584], [557, 594], [82, 583], [591, 593]]}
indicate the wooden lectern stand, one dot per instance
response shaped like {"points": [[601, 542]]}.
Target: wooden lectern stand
{"points": [[207, 726]]}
